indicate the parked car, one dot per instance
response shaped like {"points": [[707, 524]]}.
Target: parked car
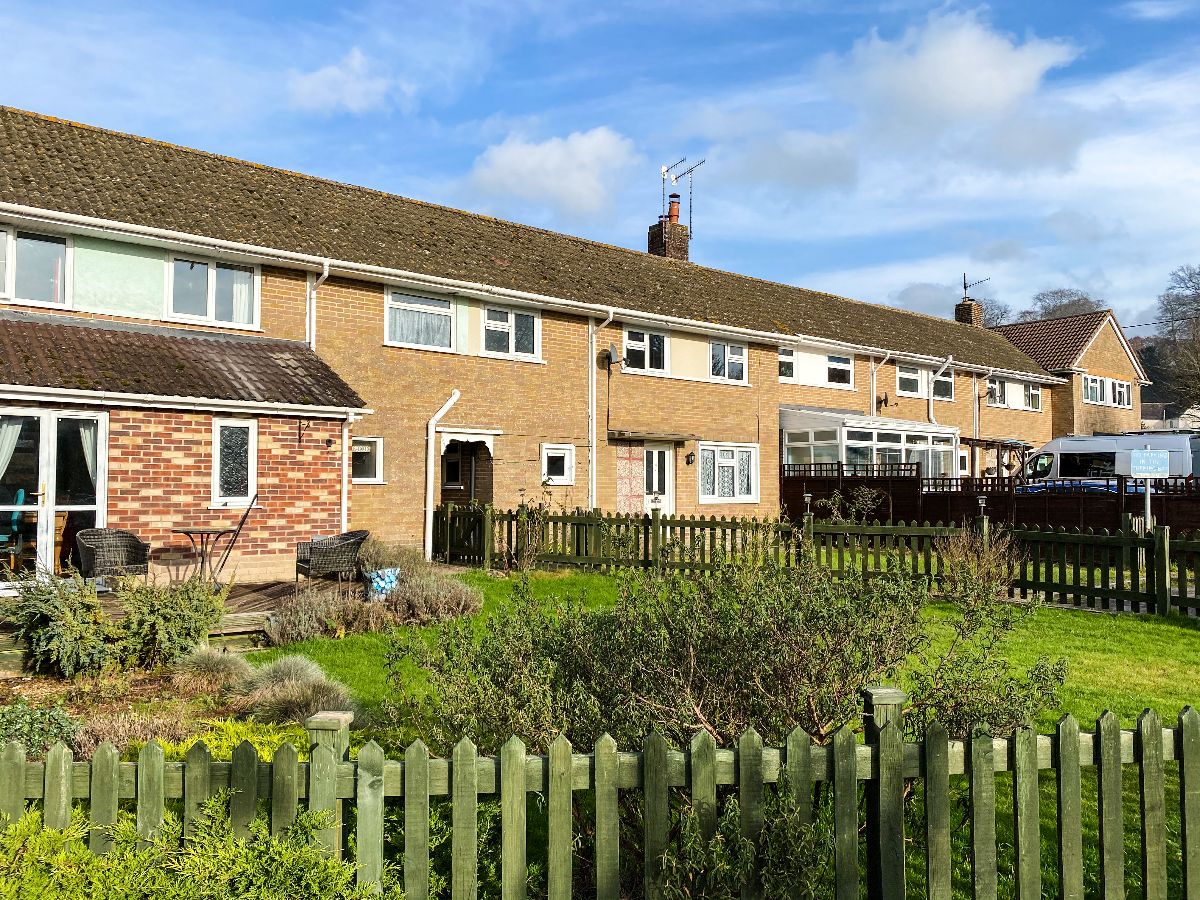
{"points": [[1094, 463]]}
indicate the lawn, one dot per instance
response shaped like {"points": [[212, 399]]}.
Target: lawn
{"points": [[1120, 662]]}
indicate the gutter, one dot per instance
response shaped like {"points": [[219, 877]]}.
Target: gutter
{"points": [[472, 288], [430, 456]]}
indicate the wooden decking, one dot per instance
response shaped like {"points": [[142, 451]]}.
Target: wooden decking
{"points": [[246, 611]]}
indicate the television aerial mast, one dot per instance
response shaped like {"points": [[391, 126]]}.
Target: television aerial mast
{"points": [[967, 287], [666, 173], [689, 172]]}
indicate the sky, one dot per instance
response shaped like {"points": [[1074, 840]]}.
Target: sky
{"points": [[874, 150]]}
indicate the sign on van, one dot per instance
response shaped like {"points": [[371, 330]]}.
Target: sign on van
{"points": [[1150, 463]]}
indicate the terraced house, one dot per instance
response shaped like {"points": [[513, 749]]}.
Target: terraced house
{"points": [[185, 335]]}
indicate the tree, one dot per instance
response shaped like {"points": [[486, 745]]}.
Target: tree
{"points": [[1174, 361], [995, 312], [1058, 303]]}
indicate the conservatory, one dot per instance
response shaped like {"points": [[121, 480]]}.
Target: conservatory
{"points": [[862, 443]]}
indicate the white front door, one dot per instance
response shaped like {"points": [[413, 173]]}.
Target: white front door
{"points": [[660, 478], [53, 470]]}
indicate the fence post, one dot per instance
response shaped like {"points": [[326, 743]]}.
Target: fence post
{"points": [[449, 530], [655, 542], [1162, 569], [883, 712], [332, 730], [984, 527], [489, 536]]}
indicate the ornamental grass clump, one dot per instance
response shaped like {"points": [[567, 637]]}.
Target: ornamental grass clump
{"points": [[209, 670], [290, 689]]}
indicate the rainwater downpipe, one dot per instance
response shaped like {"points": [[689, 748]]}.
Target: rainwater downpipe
{"points": [[311, 312], [875, 367], [430, 457], [934, 377], [593, 438]]}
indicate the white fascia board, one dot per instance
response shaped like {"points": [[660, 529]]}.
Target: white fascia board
{"points": [[35, 394], [477, 290]]}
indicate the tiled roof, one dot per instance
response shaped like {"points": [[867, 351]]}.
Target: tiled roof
{"points": [[54, 351], [63, 166], [1055, 343]]}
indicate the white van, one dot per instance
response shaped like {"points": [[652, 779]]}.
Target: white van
{"points": [[1108, 456]]}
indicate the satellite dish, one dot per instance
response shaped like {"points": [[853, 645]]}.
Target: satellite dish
{"points": [[612, 354]]}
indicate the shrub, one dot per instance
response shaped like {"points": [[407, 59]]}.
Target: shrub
{"points": [[376, 554], [314, 610], [161, 624], [290, 689], [293, 667], [129, 730], [211, 865], [223, 736], [432, 596], [62, 624], [37, 728], [209, 670]]}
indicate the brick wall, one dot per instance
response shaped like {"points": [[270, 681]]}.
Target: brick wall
{"points": [[1106, 357], [160, 478]]}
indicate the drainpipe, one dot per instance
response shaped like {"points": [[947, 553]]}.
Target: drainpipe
{"points": [[345, 474], [978, 423], [310, 323], [875, 367], [593, 439], [939, 373], [430, 456]]}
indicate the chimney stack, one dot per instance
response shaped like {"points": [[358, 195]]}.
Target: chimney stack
{"points": [[667, 237], [969, 312]]}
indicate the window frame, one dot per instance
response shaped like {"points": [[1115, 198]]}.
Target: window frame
{"points": [[8, 252], [1032, 391], [509, 327], [567, 479], [1000, 401], [787, 356], [946, 377], [755, 472], [727, 354], [1101, 390], [832, 364], [391, 291], [377, 478], [457, 455], [1126, 389], [217, 500], [914, 372], [644, 346], [209, 317]]}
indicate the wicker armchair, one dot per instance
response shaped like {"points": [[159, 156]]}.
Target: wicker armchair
{"points": [[111, 552], [333, 557]]}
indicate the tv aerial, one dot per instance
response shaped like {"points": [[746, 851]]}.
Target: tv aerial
{"points": [[668, 172], [967, 287]]}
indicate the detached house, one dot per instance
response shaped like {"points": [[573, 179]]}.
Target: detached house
{"points": [[185, 335]]}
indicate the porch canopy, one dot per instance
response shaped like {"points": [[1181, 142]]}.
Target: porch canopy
{"points": [[818, 435]]}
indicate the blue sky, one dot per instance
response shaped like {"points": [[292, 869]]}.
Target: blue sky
{"points": [[876, 150]]}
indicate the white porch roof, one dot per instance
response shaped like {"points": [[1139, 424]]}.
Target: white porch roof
{"points": [[796, 418]]}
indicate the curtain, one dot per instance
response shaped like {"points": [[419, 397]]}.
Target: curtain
{"points": [[242, 283], [87, 439], [10, 431], [410, 326]]}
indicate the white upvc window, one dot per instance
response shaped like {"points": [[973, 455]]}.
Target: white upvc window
{"points": [[997, 392], [366, 460], [421, 322], [1122, 394], [452, 466], [645, 351], [35, 269], [787, 364], [235, 462], [1094, 389], [839, 370], [728, 362], [728, 473], [511, 333], [204, 290], [909, 381], [1033, 396], [943, 385], [558, 464]]}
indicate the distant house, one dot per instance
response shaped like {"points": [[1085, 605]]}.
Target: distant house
{"points": [[1104, 376], [183, 332]]}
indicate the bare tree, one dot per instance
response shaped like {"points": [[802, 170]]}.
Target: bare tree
{"points": [[995, 312], [1058, 303], [1175, 360]]}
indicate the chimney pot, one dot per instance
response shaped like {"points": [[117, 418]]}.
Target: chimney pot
{"points": [[668, 237], [673, 208]]}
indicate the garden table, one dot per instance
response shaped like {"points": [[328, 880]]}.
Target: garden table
{"points": [[204, 540]]}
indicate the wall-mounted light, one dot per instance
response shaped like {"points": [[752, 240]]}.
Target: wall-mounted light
{"points": [[328, 443], [982, 504], [690, 459]]}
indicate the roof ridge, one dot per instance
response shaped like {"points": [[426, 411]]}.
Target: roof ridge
{"points": [[1107, 311]]}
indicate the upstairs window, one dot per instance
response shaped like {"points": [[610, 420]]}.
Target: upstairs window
{"points": [[645, 351], [1093, 389], [997, 392], [1033, 396], [943, 386], [1122, 394], [728, 362], [908, 381], [414, 321], [787, 364], [39, 268], [839, 370], [509, 333], [213, 292]]}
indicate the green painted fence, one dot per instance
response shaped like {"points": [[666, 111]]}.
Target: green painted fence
{"points": [[1119, 571], [869, 782]]}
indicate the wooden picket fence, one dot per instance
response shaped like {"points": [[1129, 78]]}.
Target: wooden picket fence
{"points": [[880, 768]]}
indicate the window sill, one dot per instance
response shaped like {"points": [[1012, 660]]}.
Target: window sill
{"points": [[558, 484], [823, 385], [426, 347], [900, 393], [713, 501], [652, 374], [367, 481], [209, 323], [36, 304], [512, 357], [233, 504]]}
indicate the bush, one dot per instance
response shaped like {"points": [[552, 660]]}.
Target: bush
{"points": [[209, 670], [314, 610], [211, 865], [161, 624], [432, 596], [293, 667], [61, 622], [376, 554], [129, 730], [290, 689], [223, 736], [37, 728]]}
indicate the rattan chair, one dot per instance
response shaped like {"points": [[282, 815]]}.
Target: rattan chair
{"points": [[332, 557], [111, 552]]}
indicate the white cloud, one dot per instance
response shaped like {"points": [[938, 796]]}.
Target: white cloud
{"points": [[1157, 10], [577, 175], [802, 160], [352, 85]]}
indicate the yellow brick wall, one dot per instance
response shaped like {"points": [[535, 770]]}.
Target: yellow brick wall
{"points": [[1105, 357]]}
